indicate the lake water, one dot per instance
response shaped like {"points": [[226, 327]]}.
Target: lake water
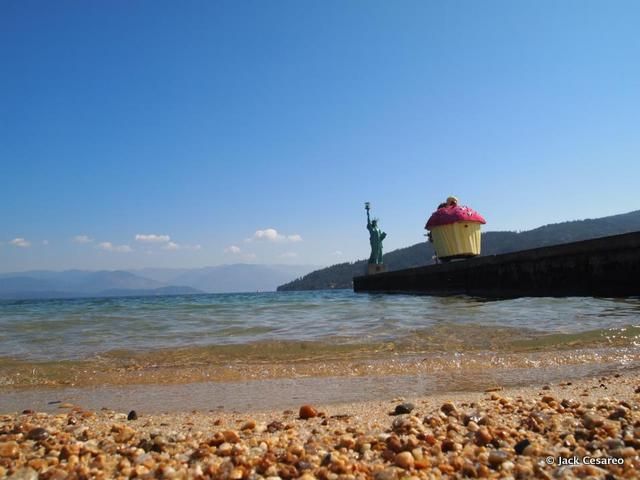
{"points": [[264, 350], [78, 329]]}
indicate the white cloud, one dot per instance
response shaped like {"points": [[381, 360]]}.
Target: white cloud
{"points": [[171, 246], [233, 249], [152, 238], [337, 253], [109, 247], [237, 251], [45, 242], [289, 255], [272, 235], [20, 242], [165, 240], [82, 239]]}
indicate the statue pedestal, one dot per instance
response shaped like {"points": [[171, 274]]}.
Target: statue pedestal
{"points": [[373, 268]]}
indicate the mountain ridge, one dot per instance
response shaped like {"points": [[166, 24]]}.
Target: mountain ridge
{"points": [[76, 283]]}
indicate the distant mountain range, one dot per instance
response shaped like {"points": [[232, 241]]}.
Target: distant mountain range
{"points": [[237, 277], [150, 281], [493, 243]]}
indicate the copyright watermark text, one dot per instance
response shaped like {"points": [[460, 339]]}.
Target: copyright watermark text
{"points": [[562, 461]]}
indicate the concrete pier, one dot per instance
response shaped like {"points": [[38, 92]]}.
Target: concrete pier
{"points": [[601, 267]]}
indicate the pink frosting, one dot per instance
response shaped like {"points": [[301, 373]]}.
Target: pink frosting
{"points": [[458, 213]]}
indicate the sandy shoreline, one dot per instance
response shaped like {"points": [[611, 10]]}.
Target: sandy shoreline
{"points": [[507, 433], [163, 368], [349, 383]]}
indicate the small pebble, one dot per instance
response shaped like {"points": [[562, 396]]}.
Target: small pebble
{"points": [[570, 403], [497, 457], [248, 425], [307, 411], [38, 434], [521, 445], [483, 436], [230, 436], [449, 445], [404, 408], [619, 412], [592, 420], [386, 474], [628, 452], [9, 450], [25, 474], [275, 426], [404, 460], [472, 417], [449, 409]]}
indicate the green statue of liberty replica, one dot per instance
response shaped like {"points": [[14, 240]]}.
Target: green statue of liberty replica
{"points": [[376, 236]]}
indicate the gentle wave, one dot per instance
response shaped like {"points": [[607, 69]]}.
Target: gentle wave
{"points": [[55, 330]]}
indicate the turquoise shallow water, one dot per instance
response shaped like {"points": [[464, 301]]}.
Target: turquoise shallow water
{"points": [[76, 329]]}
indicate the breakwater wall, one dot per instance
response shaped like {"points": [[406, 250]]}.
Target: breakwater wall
{"points": [[600, 267]]}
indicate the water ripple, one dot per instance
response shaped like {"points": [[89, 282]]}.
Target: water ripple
{"points": [[83, 328]]}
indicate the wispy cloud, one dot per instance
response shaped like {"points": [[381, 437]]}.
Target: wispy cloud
{"points": [[237, 252], [152, 238], [337, 253], [272, 235], [171, 246], [165, 240], [45, 242], [289, 255], [110, 247], [82, 239], [233, 249], [20, 242]]}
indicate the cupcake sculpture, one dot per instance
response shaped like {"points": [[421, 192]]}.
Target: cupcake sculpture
{"points": [[455, 230]]}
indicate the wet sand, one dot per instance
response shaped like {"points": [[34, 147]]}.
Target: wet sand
{"points": [[246, 396], [519, 432], [260, 362]]}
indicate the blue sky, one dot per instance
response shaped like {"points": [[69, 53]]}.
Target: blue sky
{"points": [[254, 131]]}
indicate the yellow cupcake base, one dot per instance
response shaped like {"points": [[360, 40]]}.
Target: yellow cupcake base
{"points": [[460, 239]]}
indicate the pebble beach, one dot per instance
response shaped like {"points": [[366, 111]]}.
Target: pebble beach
{"points": [[587, 428]]}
